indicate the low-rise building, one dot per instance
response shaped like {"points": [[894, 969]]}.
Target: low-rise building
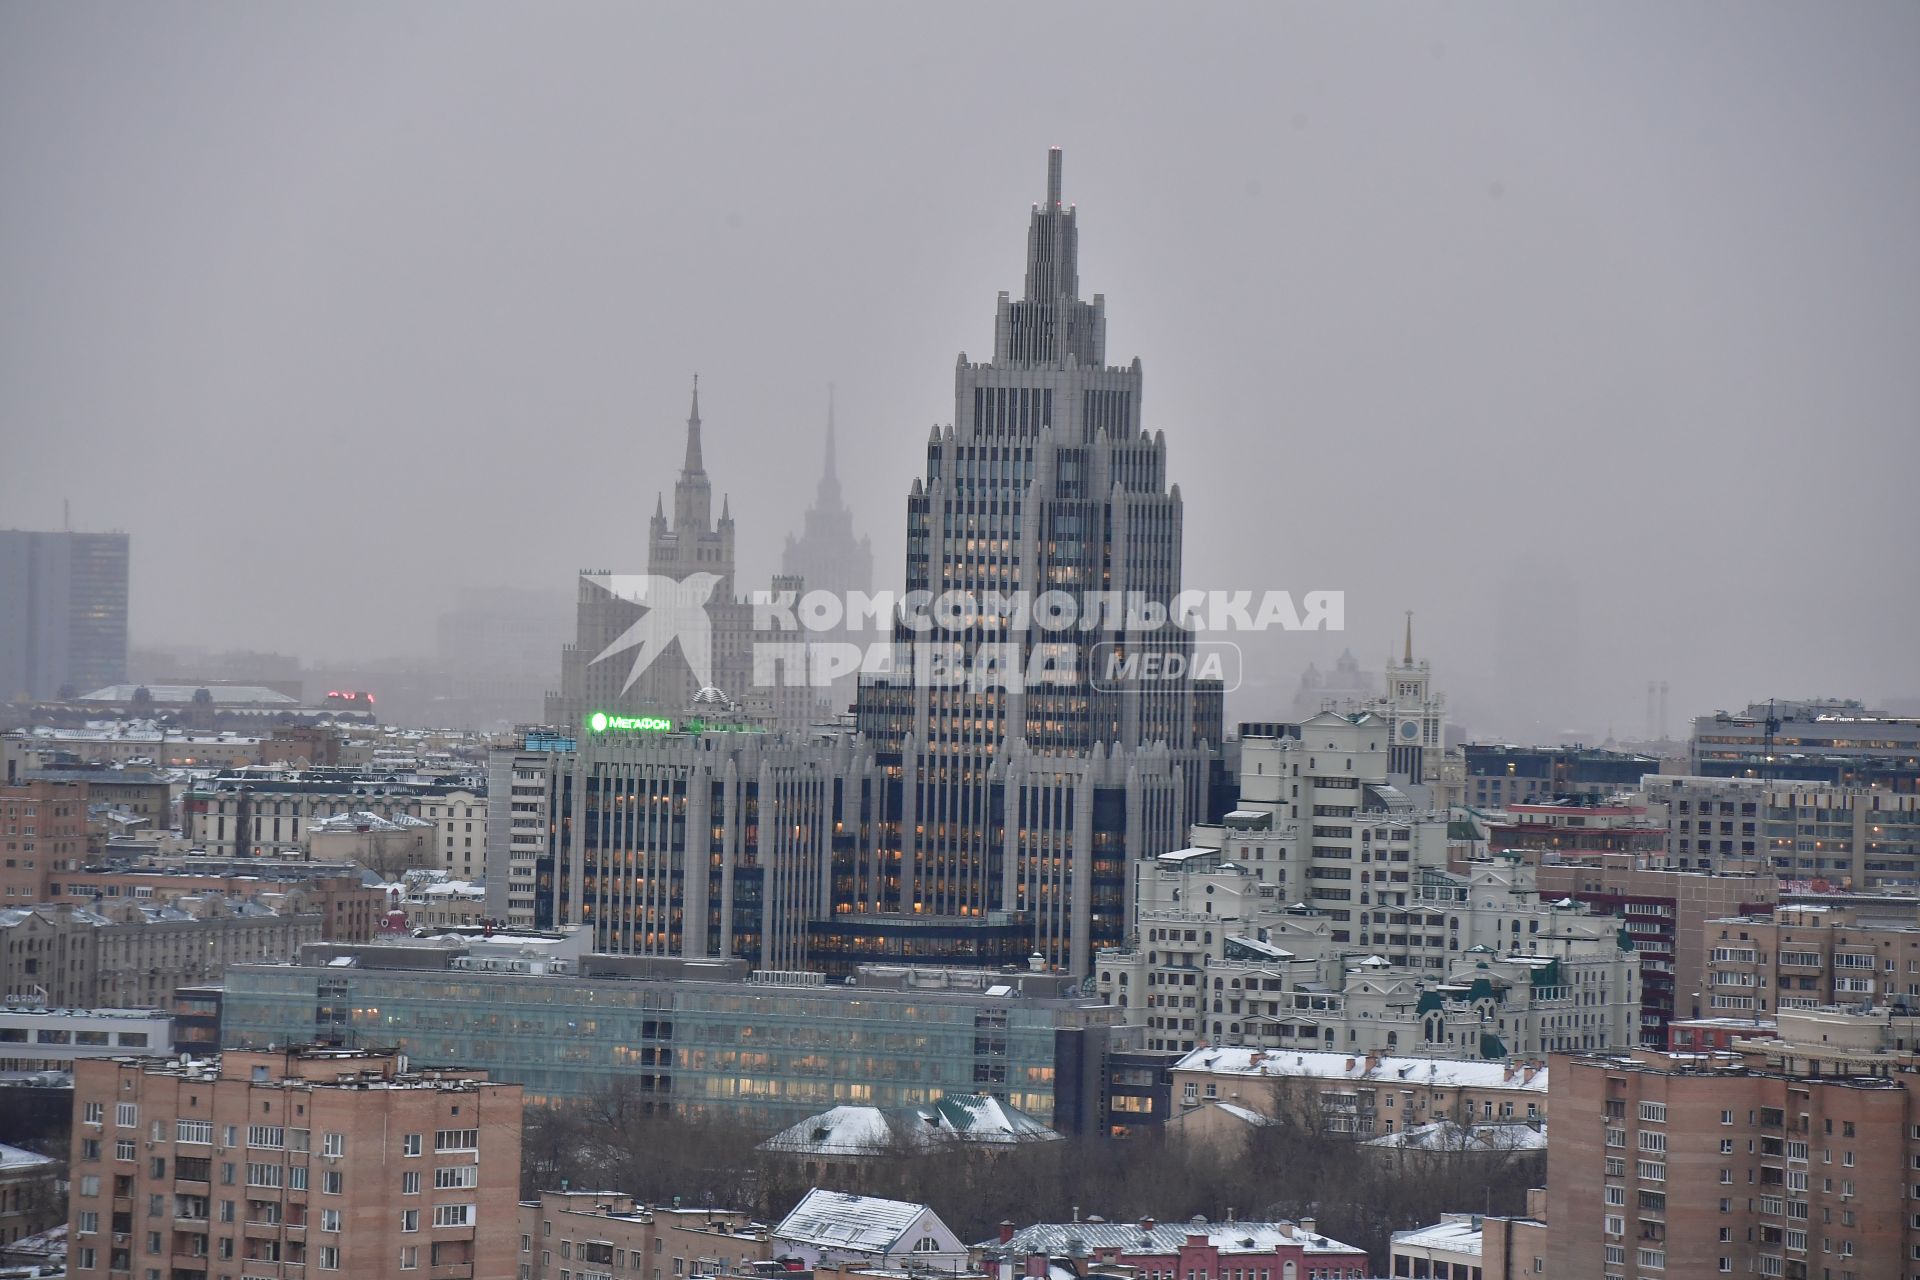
{"points": [[841, 1139], [837, 1229], [1362, 1094], [42, 1039], [350, 908], [700, 1037], [1447, 1250], [1155, 1250], [580, 1234], [133, 953], [1499, 775], [1471, 1246], [270, 811], [389, 846], [30, 1200]]}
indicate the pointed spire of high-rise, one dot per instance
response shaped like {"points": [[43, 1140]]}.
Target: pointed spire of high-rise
{"points": [[828, 498], [694, 462], [693, 493], [1409, 659]]}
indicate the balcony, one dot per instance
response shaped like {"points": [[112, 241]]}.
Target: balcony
{"points": [[451, 1271]]}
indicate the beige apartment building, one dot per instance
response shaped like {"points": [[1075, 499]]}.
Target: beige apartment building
{"points": [[1363, 1094], [1805, 957], [132, 953], [291, 1165], [597, 1235], [1791, 1158]]}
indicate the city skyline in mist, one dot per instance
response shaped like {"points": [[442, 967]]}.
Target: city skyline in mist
{"points": [[1582, 334]]}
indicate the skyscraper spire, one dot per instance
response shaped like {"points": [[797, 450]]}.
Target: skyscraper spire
{"points": [[1409, 659], [828, 498], [694, 463], [1050, 324]]}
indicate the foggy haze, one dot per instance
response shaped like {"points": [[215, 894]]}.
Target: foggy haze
{"points": [[1586, 333]]}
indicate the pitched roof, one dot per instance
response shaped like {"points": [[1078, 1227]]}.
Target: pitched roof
{"points": [[841, 1220], [957, 1117]]}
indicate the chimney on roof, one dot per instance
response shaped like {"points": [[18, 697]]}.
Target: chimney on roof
{"points": [[1307, 1225], [1349, 1064], [1037, 1264], [1146, 1226], [1006, 1231], [1286, 1230]]}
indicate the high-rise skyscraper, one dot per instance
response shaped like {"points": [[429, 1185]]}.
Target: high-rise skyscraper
{"points": [[828, 557], [63, 612], [954, 823], [1031, 799], [692, 542]]}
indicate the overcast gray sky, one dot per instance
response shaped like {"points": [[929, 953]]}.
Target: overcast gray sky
{"points": [[1589, 332]]}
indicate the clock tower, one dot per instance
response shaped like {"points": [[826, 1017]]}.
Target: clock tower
{"points": [[1415, 713]]}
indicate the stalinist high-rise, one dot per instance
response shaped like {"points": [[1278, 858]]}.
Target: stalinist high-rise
{"points": [[1033, 800]]}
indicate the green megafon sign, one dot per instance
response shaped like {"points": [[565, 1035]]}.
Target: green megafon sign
{"points": [[604, 722]]}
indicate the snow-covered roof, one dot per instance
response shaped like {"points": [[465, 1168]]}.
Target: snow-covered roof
{"points": [[1166, 1237], [1266, 949], [1456, 1233], [959, 1117], [841, 1220], [365, 820], [17, 1160], [221, 694], [1443, 1072], [840, 1131], [1443, 1135], [1187, 855]]}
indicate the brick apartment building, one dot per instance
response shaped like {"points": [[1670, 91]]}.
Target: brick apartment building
{"points": [[1804, 957], [1665, 913], [581, 1233], [1791, 1158], [292, 1164], [43, 829]]}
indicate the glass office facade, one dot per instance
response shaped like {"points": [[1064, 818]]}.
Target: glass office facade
{"points": [[760, 1052]]}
